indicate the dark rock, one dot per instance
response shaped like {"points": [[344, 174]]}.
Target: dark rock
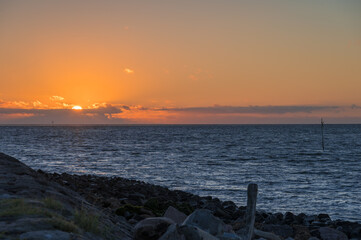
{"points": [[323, 217], [176, 232], [128, 209], [356, 232], [315, 233], [309, 219], [271, 219], [289, 218], [301, 232], [45, 235], [300, 218], [151, 228], [229, 206], [222, 214], [327, 233], [284, 231], [279, 216], [237, 214], [259, 218]]}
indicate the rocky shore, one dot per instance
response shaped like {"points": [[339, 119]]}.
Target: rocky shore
{"points": [[64, 206]]}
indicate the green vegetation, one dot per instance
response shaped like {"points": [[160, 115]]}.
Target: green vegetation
{"points": [[154, 206], [53, 204], [2, 235], [87, 221], [128, 208], [159, 208], [18, 207], [184, 207], [63, 225], [82, 219]]}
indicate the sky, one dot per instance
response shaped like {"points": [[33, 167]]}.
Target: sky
{"points": [[180, 62]]}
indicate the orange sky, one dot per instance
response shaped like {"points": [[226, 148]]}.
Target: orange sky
{"points": [[203, 61]]}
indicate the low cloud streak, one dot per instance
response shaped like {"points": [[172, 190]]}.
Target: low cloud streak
{"points": [[103, 113], [254, 109]]}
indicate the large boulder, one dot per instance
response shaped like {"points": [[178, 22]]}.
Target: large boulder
{"points": [[186, 232], [204, 220], [284, 231], [175, 215], [151, 228], [327, 233], [45, 235]]}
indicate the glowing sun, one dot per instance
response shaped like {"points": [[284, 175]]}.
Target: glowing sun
{"points": [[77, 108]]}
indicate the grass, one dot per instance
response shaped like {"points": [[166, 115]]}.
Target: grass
{"points": [[18, 207], [82, 220], [53, 204], [87, 221], [63, 225], [128, 208]]}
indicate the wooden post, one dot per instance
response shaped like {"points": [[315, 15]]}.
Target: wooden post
{"points": [[246, 233]]}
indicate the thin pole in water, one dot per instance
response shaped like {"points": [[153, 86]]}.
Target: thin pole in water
{"points": [[323, 139]]}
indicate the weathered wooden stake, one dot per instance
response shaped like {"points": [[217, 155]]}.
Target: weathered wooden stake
{"points": [[251, 210]]}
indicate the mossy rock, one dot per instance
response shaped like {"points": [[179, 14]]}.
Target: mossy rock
{"points": [[128, 208], [184, 207], [159, 208], [156, 206]]}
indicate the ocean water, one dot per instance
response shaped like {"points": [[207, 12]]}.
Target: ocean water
{"points": [[286, 161]]}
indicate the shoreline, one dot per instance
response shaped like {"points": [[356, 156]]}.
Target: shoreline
{"points": [[131, 201]]}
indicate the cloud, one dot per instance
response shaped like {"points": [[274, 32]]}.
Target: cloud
{"points": [[253, 109], [128, 70], [108, 109], [354, 106], [103, 113], [37, 103], [126, 107], [56, 98], [64, 116]]}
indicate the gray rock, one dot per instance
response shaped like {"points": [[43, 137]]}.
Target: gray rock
{"points": [[186, 232], [194, 233], [313, 238], [173, 233], [25, 224], [323, 217], [45, 235], [289, 218], [175, 215], [271, 219], [151, 228], [229, 236], [327, 233], [204, 220], [266, 235], [284, 231], [309, 219]]}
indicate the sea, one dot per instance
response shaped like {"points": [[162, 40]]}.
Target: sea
{"points": [[293, 172]]}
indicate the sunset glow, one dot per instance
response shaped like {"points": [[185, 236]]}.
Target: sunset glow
{"points": [[145, 62], [77, 108]]}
